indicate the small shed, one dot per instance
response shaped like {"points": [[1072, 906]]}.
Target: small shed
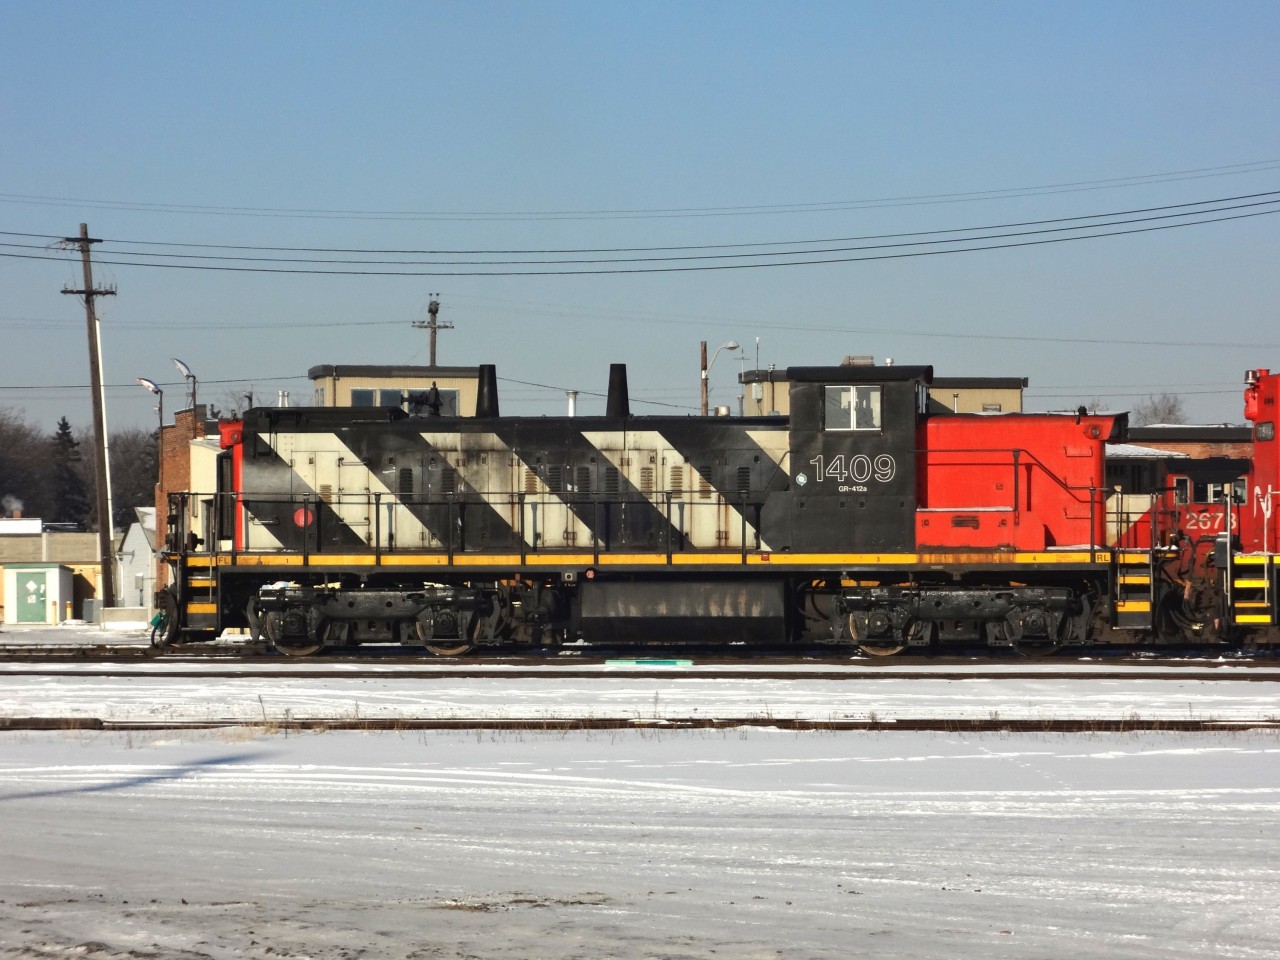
{"points": [[38, 592]]}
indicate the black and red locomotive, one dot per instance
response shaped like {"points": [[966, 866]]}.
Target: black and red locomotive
{"points": [[862, 520]]}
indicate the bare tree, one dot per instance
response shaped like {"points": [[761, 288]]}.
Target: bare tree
{"points": [[133, 472], [1161, 408], [235, 403], [25, 461]]}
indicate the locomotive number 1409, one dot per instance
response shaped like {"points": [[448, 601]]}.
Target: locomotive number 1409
{"points": [[853, 473]]}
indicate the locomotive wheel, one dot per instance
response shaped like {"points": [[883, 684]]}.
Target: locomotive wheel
{"points": [[318, 635], [1013, 636], [297, 649], [441, 646], [1033, 650], [450, 649], [872, 648], [881, 649]]}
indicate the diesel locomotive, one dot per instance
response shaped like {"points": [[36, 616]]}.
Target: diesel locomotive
{"points": [[862, 520]]}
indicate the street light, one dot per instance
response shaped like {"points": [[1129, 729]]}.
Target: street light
{"points": [[191, 381], [159, 395], [706, 369]]}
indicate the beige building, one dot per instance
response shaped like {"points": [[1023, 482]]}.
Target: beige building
{"points": [[767, 394], [27, 542], [379, 385]]}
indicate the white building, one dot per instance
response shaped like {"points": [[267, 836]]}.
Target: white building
{"points": [[137, 561]]}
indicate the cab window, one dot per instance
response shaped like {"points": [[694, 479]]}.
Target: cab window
{"points": [[853, 408], [1217, 492]]}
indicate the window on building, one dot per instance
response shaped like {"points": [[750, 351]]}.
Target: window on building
{"points": [[991, 408], [449, 402], [419, 405], [380, 397], [853, 408]]}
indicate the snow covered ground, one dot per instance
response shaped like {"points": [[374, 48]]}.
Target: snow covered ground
{"points": [[635, 844], [640, 844]]}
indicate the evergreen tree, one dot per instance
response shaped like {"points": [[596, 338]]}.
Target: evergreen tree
{"points": [[70, 496]]}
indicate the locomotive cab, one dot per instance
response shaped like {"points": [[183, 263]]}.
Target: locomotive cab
{"points": [[853, 462]]}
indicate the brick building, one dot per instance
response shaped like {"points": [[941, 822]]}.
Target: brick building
{"points": [[1197, 441], [188, 448]]}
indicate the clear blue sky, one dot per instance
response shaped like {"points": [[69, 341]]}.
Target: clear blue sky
{"points": [[551, 126]]}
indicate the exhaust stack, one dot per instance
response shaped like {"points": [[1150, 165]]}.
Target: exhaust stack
{"points": [[619, 404], [487, 393]]}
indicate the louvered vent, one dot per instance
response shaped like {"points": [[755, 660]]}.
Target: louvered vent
{"points": [[584, 479], [646, 481], [406, 481], [677, 481], [611, 483], [704, 485]]}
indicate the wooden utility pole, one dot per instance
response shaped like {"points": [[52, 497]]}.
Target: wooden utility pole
{"points": [[102, 472], [704, 377], [433, 325]]}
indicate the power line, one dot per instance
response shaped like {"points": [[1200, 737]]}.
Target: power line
{"points": [[678, 269], [749, 324], [656, 212], [365, 251], [133, 384]]}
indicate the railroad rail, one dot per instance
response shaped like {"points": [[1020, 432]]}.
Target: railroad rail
{"points": [[285, 668], [543, 724], [566, 658]]}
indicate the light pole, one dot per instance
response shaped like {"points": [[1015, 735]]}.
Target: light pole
{"points": [[706, 367], [191, 382], [162, 498], [159, 395]]}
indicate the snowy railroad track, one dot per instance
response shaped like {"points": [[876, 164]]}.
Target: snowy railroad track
{"points": [[544, 725], [514, 669], [395, 696]]}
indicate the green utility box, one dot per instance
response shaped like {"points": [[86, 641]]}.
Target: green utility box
{"points": [[37, 593]]}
